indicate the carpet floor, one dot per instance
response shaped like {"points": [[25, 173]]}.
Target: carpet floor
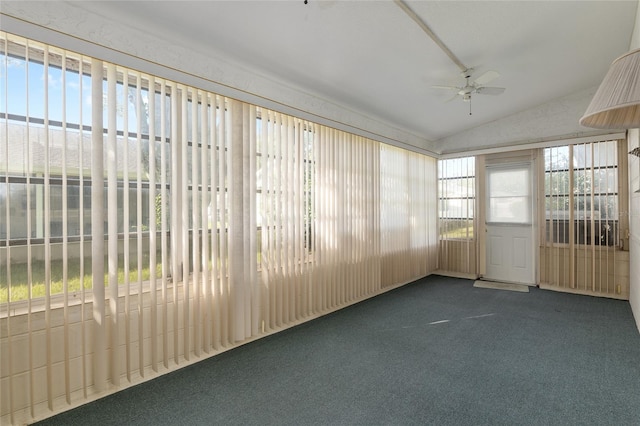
{"points": [[438, 351]]}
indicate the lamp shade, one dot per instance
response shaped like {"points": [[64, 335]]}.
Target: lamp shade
{"points": [[616, 104]]}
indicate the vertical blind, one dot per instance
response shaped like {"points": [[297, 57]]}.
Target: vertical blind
{"points": [[146, 224], [456, 217], [582, 219]]}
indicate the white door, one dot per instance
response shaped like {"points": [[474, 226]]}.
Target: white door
{"points": [[510, 252]]}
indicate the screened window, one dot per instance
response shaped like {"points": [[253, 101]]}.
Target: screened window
{"points": [[456, 196], [581, 193]]}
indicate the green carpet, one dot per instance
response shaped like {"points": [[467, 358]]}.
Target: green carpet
{"points": [[437, 351]]}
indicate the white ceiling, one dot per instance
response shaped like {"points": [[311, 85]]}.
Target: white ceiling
{"points": [[370, 57]]}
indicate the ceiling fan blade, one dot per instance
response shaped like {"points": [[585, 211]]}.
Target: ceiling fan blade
{"points": [[446, 87], [490, 90], [487, 77], [451, 99]]}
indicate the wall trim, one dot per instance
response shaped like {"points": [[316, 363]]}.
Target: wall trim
{"points": [[555, 141]]}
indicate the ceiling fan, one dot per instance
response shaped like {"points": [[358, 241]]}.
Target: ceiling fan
{"points": [[475, 86]]}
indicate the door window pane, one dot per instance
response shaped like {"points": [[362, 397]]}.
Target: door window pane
{"points": [[509, 195]]}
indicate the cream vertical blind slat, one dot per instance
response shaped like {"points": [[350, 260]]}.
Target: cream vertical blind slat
{"points": [[360, 274], [592, 222], [164, 243], [551, 218], [355, 275], [124, 106], [266, 197], [326, 233], [468, 215], [288, 264], [560, 218], [555, 197], [441, 194], [204, 304], [247, 264], [599, 227], [304, 210], [175, 201], [587, 216], [606, 219], [316, 243], [29, 245], [343, 205], [65, 230], [300, 255], [253, 224], [112, 224], [216, 331], [250, 252], [215, 221], [336, 210], [153, 229], [196, 154], [586, 239], [312, 173], [183, 149], [571, 281], [300, 216], [47, 232], [279, 304], [332, 211], [140, 115], [224, 223], [99, 331], [280, 213], [293, 219], [595, 186], [274, 282], [7, 217], [289, 238], [236, 231]]}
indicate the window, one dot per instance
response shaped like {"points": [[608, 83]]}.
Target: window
{"points": [[456, 195], [509, 195], [179, 195], [581, 194]]}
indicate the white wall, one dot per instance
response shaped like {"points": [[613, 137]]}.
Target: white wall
{"points": [[634, 204], [557, 119]]}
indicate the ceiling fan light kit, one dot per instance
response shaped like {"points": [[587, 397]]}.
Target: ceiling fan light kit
{"points": [[471, 87], [616, 104]]}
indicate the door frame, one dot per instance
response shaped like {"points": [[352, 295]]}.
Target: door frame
{"points": [[506, 160]]}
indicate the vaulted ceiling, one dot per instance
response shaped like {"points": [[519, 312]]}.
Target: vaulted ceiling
{"points": [[369, 59]]}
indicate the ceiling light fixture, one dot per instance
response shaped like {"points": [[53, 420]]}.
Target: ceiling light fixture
{"points": [[616, 104]]}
